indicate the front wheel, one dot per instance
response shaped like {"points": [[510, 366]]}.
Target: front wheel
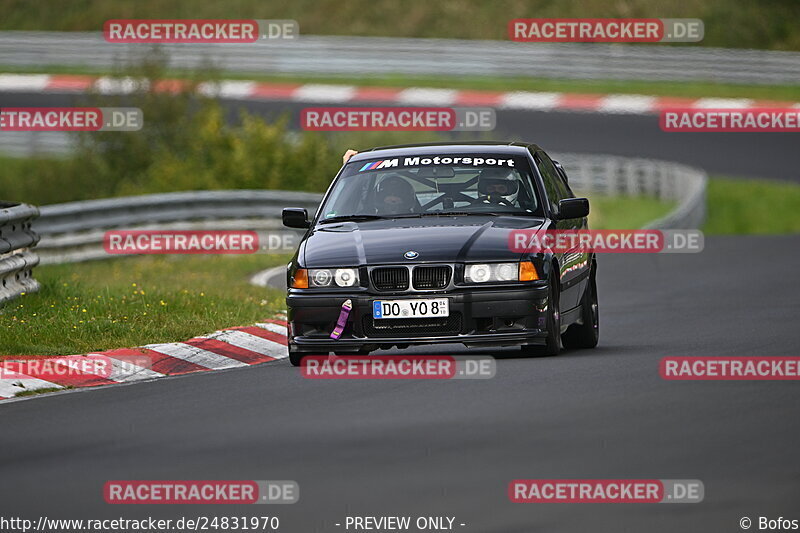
{"points": [[587, 334]]}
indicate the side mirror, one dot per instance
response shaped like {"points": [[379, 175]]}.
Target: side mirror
{"points": [[295, 217], [561, 171], [573, 208]]}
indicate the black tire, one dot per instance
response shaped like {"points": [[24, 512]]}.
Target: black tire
{"points": [[552, 344], [587, 334]]}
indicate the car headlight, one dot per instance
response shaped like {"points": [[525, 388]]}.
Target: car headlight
{"points": [[329, 277], [507, 272], [346, 277], [321, 278], [478, 274], [499, 272]]}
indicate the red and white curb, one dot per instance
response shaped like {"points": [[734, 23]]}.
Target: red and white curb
{"points": [[228, 348], [414, 96]]}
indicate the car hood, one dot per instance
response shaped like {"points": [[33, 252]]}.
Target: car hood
{"points": [[441, 239]]}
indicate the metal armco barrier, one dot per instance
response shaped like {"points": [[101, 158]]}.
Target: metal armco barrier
{"points": [[74, 231], [16, 259], [36, 143], [627, 176], [372, 56]]}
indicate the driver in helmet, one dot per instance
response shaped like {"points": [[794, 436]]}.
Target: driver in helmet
{"points": [[498, 186], [395, 196]]}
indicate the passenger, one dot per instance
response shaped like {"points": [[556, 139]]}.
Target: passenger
{"points": [[347, 155], [396, 196]]}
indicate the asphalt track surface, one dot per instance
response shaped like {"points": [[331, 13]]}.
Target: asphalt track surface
{"points": [[450, 448], [751, 155]]}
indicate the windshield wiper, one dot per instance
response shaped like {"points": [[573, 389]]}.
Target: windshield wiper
{"points": [[353, 218]]}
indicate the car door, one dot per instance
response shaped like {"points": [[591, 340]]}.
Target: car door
{"points": [[574, 263]]}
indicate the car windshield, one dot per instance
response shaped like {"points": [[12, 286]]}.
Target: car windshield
{"points": [[429, 185]]}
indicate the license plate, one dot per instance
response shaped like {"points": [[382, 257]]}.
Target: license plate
{"points": [[434, 307]]}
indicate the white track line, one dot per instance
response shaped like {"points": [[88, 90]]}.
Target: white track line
{"points": [[123, 370], [627, 103], [723, 103], [275, 328], [111, 85], [10, 386], [227, 89], [324, 93], [24, 82], [423, 96], [242, 339], [195, 355], [263, 278], [529, 100]]}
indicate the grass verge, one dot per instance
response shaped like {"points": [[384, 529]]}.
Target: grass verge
{"points": [[733, 207], [129, 302], [752, 207], [625, 212], [44, 390]]}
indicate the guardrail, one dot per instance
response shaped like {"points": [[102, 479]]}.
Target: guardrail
{"points": [[373, 56], [35, 143], [16, 259], [627, 176], [74, 231]]}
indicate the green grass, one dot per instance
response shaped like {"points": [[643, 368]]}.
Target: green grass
{"points": [[728, 23], [734, 207], [625, 212], [789, 93], [752, 207], [44, 390], [129, 302]]}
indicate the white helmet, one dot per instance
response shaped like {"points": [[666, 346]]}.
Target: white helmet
{"points": [[498, 184]]}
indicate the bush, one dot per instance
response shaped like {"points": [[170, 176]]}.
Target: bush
{"points": [[187, 143]]}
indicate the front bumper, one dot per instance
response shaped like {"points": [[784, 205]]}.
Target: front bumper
{"points": [[504, 316]]}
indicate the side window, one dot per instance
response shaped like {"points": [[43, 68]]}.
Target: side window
{"points": [[570, 194], [553, 184]]}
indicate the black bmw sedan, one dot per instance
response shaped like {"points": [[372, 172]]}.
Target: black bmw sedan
{"points": [[414, 245]]}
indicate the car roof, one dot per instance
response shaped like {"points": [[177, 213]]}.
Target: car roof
{"points": [[445, 147]]}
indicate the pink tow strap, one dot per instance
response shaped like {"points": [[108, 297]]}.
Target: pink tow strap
{"points": [[347, 306]]}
